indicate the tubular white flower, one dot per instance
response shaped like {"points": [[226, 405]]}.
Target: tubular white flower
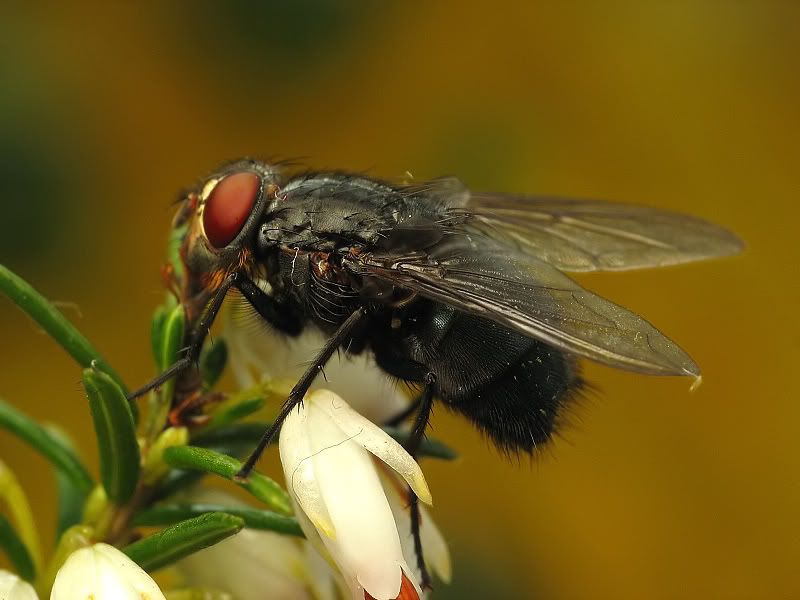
{"points": [[14, 588], [256, 564], [102, 571], [325, 449], [435, 551], [255, 348]]}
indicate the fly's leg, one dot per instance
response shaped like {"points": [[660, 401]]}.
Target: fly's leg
{"points": [[425, 404], [197, 338], [405, 413], [264, 304], [279, 316], [301, 387]]}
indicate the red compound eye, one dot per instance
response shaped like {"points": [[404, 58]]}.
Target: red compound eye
{"points": [[228, 207]]}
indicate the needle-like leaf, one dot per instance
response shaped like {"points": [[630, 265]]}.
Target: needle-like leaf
{"points": [[52, 448], [203, 459], [70, 498], [212, 362], [182, 539], [17, 552], [116, 435], [157, 332], [167, 514], [169, 338], [14, 498]]}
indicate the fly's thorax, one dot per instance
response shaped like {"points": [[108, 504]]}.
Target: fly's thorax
{"points": [[317, 211]]}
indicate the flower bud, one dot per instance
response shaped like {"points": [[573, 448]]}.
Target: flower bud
{"points": [[102, 571]]}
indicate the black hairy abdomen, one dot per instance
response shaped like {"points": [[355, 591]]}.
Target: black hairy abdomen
{"points": [[513, 388]]}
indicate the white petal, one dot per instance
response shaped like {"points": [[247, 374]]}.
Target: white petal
{"points": [[247, 564], [102, 571], [252, 561], [435, 550], [255, 347], [373, 438], [366, 542], [14, 588], [295, 450], [325, 577]]}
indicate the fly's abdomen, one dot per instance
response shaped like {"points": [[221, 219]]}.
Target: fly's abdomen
{"points": [[523, 405], [512, 387]]}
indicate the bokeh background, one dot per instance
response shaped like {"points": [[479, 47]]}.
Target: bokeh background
{"points": [[107, 110]]}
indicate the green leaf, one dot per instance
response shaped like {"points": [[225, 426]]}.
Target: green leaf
{"points": [[53, 322], [232, 410], [70, 504], [116, 435], [184, 538], [172, 337], [16, 551], [238, 434], [253, 518], [203, 459], [70, 498], [53, 449], [177, 480], [171, 341], [13, 496], [157, 333], [212, 363], [176, 238]]}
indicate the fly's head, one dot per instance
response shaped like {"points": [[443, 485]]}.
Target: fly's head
{"points": [[217, 224]]}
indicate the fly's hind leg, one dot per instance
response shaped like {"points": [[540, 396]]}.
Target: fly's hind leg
{"points": [[404, 414], [425, 404]]}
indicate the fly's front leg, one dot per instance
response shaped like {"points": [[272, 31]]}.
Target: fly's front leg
{"points": [[197, 338], [299, 390], [281, 317]]}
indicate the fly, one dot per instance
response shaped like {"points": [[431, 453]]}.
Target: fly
{"points": [[461, 294]]}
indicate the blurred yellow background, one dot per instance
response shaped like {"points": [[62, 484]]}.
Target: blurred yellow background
{"points": [[108, 110]]}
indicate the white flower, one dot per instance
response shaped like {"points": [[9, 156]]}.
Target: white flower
{"points": [[252, 564], [434, 546], [103, 572], [255, 348], [14, 588], [325, 449]]}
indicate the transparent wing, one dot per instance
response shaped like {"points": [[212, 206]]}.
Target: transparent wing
{"points": [[524, 293], [584, 235]]}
